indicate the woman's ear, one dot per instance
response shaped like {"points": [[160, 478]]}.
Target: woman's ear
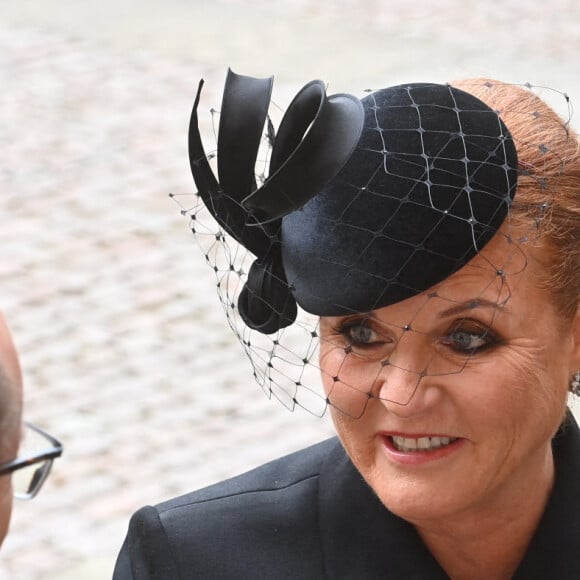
{"points": [[576, 341]]}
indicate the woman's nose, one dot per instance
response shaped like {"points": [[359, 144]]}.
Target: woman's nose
{"points": [[398, 385], [404, 386]]}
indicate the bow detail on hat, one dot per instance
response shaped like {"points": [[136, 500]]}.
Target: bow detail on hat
{"points": [[316, 137], [266, 302]]}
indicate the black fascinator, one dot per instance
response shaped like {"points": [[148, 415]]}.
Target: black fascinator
{"points": [[367, 202]]}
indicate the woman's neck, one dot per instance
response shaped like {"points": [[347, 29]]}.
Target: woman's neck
{"points": [[489, 541]]}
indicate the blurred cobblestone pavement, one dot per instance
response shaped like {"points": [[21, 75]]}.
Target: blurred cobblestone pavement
{"points": [[127, 356]]}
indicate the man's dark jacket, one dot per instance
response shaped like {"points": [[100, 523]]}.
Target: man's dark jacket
{"points": [[310, 516]]}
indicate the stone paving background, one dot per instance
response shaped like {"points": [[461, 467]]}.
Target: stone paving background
{"points": [[127, 356]]}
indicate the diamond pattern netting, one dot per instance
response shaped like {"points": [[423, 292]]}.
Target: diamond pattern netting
{"points": [[287, 364]]}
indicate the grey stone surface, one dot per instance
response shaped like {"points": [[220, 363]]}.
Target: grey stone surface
{"points": [[127, 356]]}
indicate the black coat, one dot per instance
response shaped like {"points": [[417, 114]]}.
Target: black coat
{"points": [[310, 516]]}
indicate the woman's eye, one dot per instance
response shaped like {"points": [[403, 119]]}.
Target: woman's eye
{"points": [[470, 340], [361, 334]]}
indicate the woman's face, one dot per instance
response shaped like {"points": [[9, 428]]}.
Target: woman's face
{"points": [[448, 401]]}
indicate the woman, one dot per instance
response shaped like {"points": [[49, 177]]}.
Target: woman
{"points": [[435, 232]]}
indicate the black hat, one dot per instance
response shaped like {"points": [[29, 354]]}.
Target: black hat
{"points": [[367, 202]]}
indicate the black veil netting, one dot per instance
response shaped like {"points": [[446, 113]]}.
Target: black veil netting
{"points": [[366, 203]]}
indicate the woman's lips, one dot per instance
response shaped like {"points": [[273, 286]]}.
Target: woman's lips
{"points": [[415, 449]]}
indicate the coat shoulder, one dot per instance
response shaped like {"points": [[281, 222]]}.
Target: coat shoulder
{"points": [[274, 477], [263, 523]]}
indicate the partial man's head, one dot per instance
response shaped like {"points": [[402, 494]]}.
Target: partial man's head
{"points": [[10, 418]]}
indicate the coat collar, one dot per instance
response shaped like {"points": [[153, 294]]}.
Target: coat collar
{"points": [[362, 539], [554, 551]]}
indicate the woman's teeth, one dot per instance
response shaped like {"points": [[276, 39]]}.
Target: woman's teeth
{"points": [[421, 444]]}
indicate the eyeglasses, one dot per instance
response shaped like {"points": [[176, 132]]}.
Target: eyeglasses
{"points": [[31, 468]]}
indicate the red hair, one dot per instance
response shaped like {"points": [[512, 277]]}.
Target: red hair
{"points": [[548, 184]]}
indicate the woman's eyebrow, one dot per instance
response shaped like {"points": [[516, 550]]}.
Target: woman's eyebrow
{"points": [[471, 305]]}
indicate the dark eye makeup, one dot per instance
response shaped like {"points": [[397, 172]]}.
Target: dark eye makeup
{"points": [[464, 336], [469, 336], [360, 333]]}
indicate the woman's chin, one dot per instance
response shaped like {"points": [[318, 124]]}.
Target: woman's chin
{"points": [[428, 511], [417, 494], [416, 501]]}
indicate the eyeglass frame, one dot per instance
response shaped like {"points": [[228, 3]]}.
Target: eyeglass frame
{"points": [[31, 459]]}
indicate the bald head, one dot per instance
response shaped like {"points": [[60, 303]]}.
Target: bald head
{"points": [[10, 417]]}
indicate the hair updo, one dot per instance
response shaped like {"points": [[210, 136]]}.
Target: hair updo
{"points": [[553, 169]]}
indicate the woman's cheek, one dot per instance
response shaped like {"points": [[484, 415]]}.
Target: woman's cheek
{"points": [[348, 380]]}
